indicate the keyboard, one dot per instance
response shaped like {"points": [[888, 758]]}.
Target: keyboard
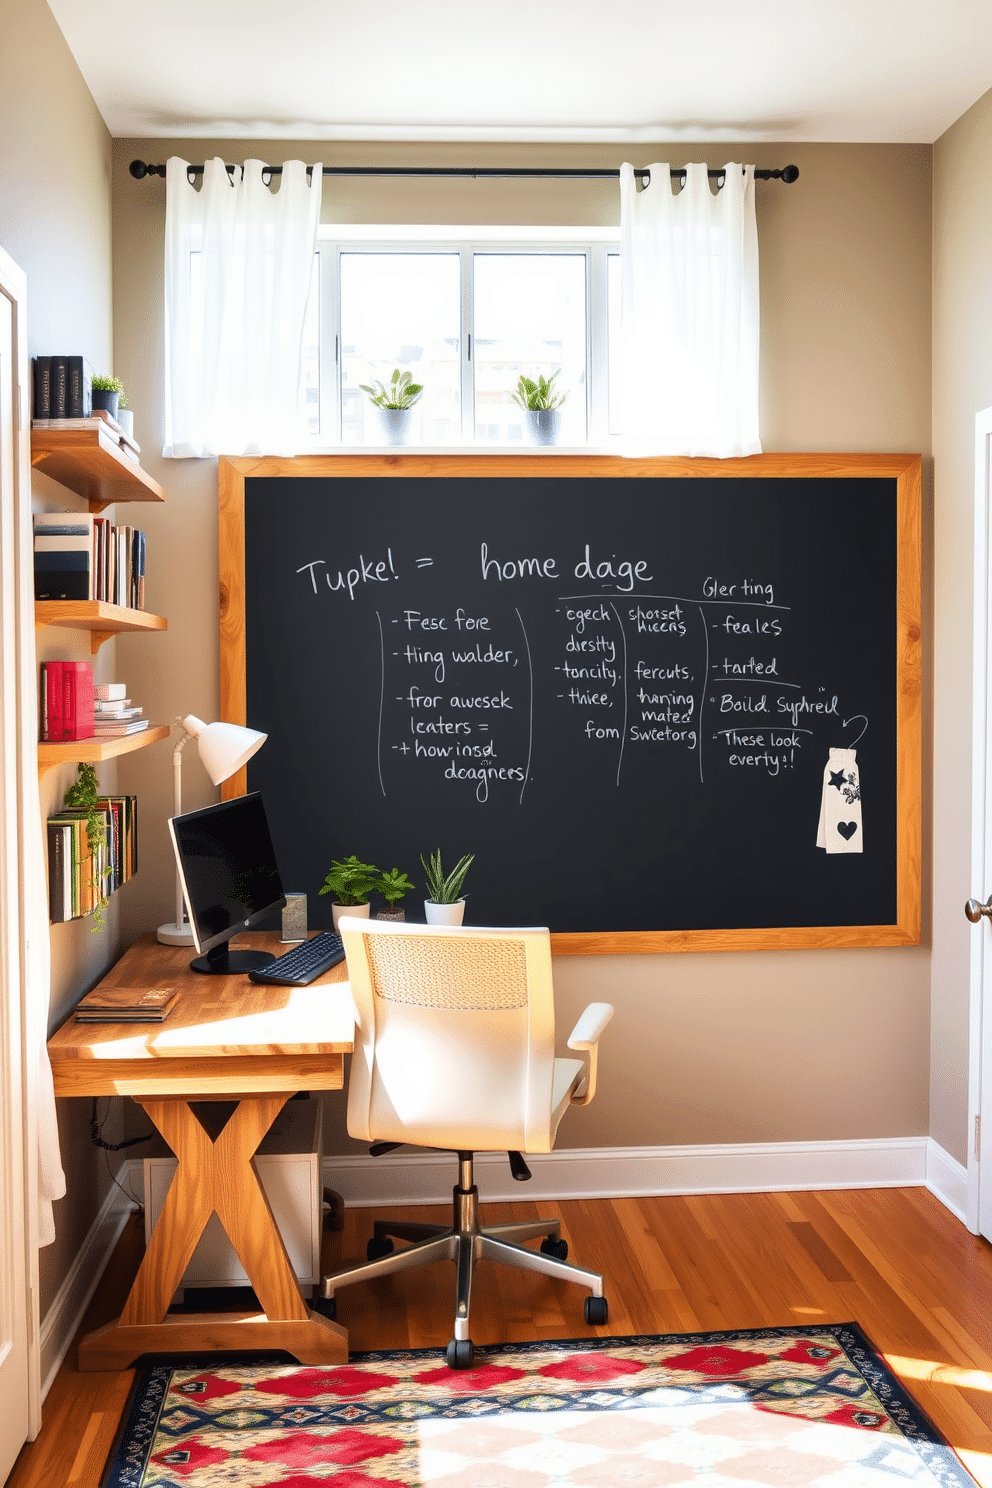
{"points": [[304, 963]]}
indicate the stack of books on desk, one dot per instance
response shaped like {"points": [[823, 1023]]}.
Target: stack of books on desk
{"points": [[114, 715], [126, 1005]]}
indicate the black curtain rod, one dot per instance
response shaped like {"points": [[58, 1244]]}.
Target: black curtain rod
{"points": [[788, 173]]}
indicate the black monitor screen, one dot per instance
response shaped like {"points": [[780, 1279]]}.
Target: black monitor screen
{"points": [[229, 875]]}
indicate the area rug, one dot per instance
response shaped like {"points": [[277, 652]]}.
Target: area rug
{"points": [[787, 1408]]}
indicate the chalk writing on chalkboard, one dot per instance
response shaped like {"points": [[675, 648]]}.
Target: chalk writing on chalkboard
{"points": [[620, 695]]}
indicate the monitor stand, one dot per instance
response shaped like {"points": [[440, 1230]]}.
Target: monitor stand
{"points": [[222, 961]]}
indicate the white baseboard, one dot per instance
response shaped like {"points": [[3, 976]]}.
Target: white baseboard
{"points": [[417, 1177], [947, 1180], [58, 1326]]}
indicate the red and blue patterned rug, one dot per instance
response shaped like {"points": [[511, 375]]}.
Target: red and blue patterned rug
{"points": [[787, 1408]]}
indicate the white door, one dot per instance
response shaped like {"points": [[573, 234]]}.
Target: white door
{"points": [[15, 1392], [980, 908]]}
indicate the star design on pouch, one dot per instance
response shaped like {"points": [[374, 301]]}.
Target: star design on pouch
{"points": [[837, 779]]}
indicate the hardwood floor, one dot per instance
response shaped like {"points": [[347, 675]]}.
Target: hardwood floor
{"points": [[892, 1260]]}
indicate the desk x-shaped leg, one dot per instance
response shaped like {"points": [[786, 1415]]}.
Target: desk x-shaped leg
{"points": [[215, 1176]]}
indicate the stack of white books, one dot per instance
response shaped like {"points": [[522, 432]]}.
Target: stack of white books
{"points": [[114, 715]]}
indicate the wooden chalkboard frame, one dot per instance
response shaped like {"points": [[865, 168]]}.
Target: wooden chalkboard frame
{"points": [[904, 469]]}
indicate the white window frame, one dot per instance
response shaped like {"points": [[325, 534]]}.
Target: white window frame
{"points": [[594, 243]]}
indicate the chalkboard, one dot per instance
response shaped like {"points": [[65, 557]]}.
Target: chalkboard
{"points": [[617, 683]]}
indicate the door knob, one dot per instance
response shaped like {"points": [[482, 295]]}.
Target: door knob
{"points": [[975, 909]]}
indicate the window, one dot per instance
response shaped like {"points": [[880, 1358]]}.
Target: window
{"points": [[466, 319]]}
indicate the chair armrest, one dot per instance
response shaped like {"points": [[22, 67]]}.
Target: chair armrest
{"points": [[585, 1036]]}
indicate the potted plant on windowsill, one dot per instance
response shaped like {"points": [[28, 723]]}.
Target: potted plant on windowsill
{"points": [[393, 885], [445, 902], [541, 402], [351, 883], [394, 401]]}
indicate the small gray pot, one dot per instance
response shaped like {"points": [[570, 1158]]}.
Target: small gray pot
{"points": [[544, 424], [107, 400], [396, 424]]}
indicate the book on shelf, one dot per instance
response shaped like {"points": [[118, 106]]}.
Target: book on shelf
{"points": [[66, 701], [114, 712], [60, 387], [79, 556], [119, 728], [82, 873], [98, 418], [42, 387], [105, 692], [79, 395], [126, 1005]]}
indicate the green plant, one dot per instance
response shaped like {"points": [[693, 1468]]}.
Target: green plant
{"points": [[538, 396], [400, 392], [442, 888], [108, 384], [393, 884], [350, 881], [84, 795]]}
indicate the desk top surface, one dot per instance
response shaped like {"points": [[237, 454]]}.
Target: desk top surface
{"points": [[216, 1017]]}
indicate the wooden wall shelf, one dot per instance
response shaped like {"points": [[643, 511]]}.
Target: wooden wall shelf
{"points": [[94, 750], [91, 462], [95, 615]]}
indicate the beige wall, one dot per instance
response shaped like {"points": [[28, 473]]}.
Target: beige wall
{"points": [[738, 1048], [55, 222], [962, 353]]}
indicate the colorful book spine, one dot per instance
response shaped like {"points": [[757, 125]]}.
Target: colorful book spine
{"points": [[52, 691]]}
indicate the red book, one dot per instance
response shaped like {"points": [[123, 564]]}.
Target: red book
{"points": [[77, 700], [51, 703]]}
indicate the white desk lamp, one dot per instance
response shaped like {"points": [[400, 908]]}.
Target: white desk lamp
{"points": [[224, 748]]}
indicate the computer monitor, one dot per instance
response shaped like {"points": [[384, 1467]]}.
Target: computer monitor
{"points": [[230, 879]]}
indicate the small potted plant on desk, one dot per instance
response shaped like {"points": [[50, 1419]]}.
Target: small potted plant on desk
{"points": [[445, 902], [394, 401], [351, 883], [541, 402], [392, 885]]}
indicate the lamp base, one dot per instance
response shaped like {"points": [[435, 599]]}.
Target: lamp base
{"points": [[176, 935]]}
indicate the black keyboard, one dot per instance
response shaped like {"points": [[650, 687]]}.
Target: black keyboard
{"points": [[304, 963]]}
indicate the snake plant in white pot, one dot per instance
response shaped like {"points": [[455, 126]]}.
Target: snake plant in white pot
{"points": [[445, 902], [541, 402]]}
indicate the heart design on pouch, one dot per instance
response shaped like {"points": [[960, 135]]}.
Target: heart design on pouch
{"points": [[847, 830]]}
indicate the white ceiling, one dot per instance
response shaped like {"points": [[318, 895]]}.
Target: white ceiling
{"points": [[583, 71]]}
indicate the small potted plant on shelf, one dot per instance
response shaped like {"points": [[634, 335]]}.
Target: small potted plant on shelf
{"points": [[107, 394], [394, 400], [541, 402], [445, 902], [393, 885], [351, 883]]}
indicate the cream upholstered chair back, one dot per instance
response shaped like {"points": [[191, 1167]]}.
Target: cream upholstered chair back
{"points": [[455, 1040]]}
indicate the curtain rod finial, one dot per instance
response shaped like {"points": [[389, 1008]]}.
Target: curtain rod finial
{"points": [[138, 169], [790, 173]]}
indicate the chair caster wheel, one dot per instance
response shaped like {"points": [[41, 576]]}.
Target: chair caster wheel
{"points": [[378, 1247], [596, 1311], [326, 1306], [557, 1248], [460, 1353]]}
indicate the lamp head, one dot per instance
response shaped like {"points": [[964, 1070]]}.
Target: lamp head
{"points": [[224, 747]]}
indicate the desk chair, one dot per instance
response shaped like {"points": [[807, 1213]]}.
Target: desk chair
{"points": [[454, 1048]]}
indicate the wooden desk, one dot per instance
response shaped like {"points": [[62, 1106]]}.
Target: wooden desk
{"points": [[226, 1039]]}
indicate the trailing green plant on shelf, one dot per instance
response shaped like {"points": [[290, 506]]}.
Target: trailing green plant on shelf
{"points": [[399, 392], [539, 396], [83, 795], [445, 888]]}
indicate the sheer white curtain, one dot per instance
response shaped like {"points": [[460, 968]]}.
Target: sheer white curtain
{"points": [[689, 320], [239, 261]]}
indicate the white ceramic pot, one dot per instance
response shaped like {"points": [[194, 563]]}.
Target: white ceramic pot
{"points": [[125, 417], [359, 910], [544, 424], [444, 914], [396, 424]]}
